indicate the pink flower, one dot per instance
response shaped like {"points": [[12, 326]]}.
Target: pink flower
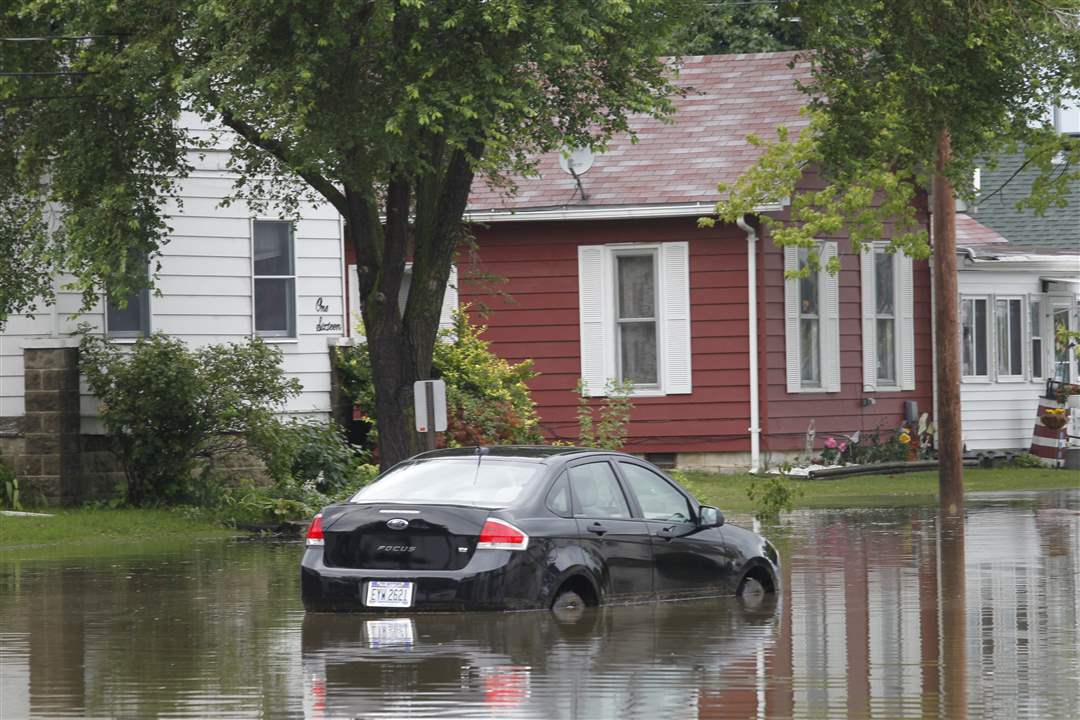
{"points": [[830, 443], [842, 447]]}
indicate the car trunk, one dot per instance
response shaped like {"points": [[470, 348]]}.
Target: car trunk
{"points": [[415, 537]]}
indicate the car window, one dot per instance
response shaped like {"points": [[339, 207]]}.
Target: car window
{"points": [[596, 492], [558, 497], [492, 483], [658, 499]]}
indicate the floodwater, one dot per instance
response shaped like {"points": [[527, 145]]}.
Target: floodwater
{"points": [[875, 621]]}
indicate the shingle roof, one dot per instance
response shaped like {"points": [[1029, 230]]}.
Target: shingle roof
{"points": [[971, 233], [728, 97], [1010, 182]]}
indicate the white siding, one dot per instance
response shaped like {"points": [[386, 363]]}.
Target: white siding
{"points": [[999, 415], [206, 293]]}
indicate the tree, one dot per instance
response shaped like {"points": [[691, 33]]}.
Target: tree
{"points": [[912, 93], [739, 27], [384, 109]]}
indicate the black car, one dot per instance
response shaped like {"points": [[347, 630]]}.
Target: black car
{"points": [[525, 527]]}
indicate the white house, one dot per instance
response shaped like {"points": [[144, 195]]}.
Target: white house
{"points": [[1011, 299]]}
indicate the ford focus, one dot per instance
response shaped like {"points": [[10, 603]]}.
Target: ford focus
{"points": [[521, 528]]}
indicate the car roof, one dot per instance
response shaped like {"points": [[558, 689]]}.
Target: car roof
{"points": [[535, 453]]}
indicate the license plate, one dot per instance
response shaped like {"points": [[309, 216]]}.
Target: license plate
{"points": [[383, 593], [380, 633]]}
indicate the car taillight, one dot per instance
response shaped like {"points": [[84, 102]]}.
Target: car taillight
{"points": [[501, 535], [314, 532]]}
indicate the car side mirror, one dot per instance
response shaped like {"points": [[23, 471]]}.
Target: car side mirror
{"points": [[709, 516]]}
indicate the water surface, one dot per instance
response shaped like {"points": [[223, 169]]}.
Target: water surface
{"points": [[883, 614]]}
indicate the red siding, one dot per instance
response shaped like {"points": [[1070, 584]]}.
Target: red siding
{"points": [[788, 415], [538, 318]]}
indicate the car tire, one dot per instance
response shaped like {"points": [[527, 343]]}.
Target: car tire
{"points": [[568, 606], [752, 592]]}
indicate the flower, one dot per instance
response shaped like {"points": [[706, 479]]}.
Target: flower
{"points": [[1054, 411], [904, 438], [830, 443], [842, 447]]}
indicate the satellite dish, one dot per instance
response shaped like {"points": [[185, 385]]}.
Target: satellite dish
{"points": [[578, 162]]}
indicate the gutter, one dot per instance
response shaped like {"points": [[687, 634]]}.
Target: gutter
{"points": [[606, 212], [752, 333]]}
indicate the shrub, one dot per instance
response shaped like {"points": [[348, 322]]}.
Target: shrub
{"points": [[772, 495], [9, 488], [302, 451], [167, 408], [610, 430], [488, 399]]}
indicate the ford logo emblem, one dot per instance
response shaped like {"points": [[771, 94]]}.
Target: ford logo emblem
{"points": [[397, 523]]}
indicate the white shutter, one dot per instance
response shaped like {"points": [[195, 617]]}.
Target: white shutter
{"points": [[830, 321], [675, 285], [907, 322], [991, 338], [594, 332], [450, 301], [869, 327], [791, 320]]}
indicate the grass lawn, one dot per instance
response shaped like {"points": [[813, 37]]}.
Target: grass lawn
{"points": [[73, 531], [728, 492]]}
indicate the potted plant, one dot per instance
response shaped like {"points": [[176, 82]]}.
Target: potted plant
{"points": [[1054, 418]]}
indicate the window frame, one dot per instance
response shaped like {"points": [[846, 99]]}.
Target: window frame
{"points": [[145, 318], [803, 317], [633, 511], [1036, 324], [987, 321], [292, 333], [829, 358], [652, 251], [893, 383], [1004, 374]]}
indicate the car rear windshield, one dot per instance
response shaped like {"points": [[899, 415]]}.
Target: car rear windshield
{"points": [[488, 483]]}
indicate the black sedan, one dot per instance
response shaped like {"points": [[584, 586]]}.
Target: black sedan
{"points": [[525, 527]]}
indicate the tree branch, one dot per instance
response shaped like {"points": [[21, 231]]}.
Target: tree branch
{"points": [[319, 183]]}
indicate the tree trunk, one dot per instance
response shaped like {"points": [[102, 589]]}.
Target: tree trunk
{"points": [[947, 337]]}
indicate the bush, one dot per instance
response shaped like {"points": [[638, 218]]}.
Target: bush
{"points": [[9, 488], [488, 399], [167, 409], [299, 452], [772, 495]]}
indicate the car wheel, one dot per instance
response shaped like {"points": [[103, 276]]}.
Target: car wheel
{"points": [[568, 605], [751, 592]]}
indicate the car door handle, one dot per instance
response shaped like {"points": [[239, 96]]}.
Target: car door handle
{"points": [[666, 533], [597, 528]]}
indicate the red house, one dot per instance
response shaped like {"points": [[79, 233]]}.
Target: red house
{"points": [[607, 275]]}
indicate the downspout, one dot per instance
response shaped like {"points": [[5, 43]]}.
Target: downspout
{"points": [[752, 334]]}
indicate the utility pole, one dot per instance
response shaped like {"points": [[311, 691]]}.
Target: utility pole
{"points": [[947, 336]]}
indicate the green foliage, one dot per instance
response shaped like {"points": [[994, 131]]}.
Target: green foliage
{"points": [[9, 488], [1025, 460], [886, 81], [871, 448], [299, 452], [727, 27], [167, 409], [610, 430], [771, 495], [488, 399]]}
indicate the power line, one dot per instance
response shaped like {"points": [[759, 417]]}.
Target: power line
{"points": [[51, 73], [51, 38]]}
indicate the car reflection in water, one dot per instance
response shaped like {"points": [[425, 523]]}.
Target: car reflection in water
{"points": [[614, 661]]}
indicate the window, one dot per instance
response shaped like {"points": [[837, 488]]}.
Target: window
{"points": [[1035, 325], [274, 279], [1062, 364], [888, 320], [493, 483], [635, 317], [558, 497], [132, 320], [1067, 117], [596, 492], [1008, 319], [811, 310], [809, 325], [885, 317], [658, 499], [973, 328], [637, 356]]}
